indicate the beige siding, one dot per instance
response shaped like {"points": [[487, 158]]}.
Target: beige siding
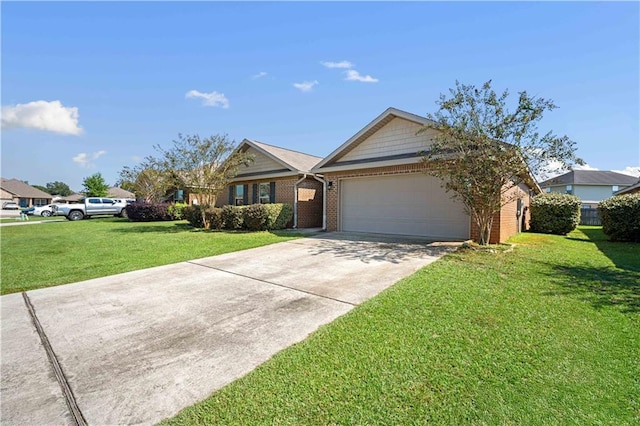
{"points": [[397, 137], [593, 192], [261, 163]]}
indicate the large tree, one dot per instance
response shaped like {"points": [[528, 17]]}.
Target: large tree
{"points": [[58, 188], [95, 186], [147, 180], [204, 166], [482, 150]]}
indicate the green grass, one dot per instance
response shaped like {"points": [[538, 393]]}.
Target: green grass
{"points": [[44, 255], [31, 218], [548, 333]]}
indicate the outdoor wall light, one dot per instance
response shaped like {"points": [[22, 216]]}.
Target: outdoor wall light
{"points": [[330, 184]]}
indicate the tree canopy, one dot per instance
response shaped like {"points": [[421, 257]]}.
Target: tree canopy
{"points": [[95, 186], [58, 188], [204, 166], [482, 150]]}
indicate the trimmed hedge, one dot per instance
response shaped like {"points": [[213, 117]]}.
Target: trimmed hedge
{"points": [[232, 217], [620, 217], [176, 210], [278, 215], [255, 217], [554, 213], [155, 212]]}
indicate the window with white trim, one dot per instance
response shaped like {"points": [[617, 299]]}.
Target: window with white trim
{"points": [[265, 193]]}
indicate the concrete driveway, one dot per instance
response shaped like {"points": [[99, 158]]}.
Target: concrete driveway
{"points": [[137, 347]]}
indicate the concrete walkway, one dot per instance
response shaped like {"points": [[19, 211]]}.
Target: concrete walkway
{"points": [[135, 348]]}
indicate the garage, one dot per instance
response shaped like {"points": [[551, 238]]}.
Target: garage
{"points": [[410, 204]]}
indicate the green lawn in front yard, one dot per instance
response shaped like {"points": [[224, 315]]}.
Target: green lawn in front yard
{"points": [[548, 333], [48, 254], [31, 218]]}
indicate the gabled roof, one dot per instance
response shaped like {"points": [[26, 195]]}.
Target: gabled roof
{"points": [[590, 177], [368, 130], [292, 160], [21, 189]]}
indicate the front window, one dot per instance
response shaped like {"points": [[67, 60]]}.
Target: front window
{"points": [[569, 189], [239, 195], [265, 193], [39, 202], [548, 189], [615, 188]]}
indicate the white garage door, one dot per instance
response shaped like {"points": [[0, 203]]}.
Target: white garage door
{"points": [[404, 204]]}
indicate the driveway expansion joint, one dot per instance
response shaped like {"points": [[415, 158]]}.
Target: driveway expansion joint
{"points": [[272, 283], [69, 397]]}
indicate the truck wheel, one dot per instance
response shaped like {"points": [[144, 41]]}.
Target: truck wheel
{"points": [[75, 215], [123, 213], [46, 213]]}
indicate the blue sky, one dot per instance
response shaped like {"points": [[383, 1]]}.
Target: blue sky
{"points": [[128, 76]]}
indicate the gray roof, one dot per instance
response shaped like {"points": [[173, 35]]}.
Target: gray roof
{"points": [[21, 189], [590, 177], [292, 159], [629, 189], [115, 192]]}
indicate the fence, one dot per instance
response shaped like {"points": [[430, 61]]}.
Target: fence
{"points": [[590, 217]]}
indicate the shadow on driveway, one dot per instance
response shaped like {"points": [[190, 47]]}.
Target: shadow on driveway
{"points": [[369, 248]]}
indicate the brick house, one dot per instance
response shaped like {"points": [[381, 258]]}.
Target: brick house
{"points": [[278, 175], [23, 194], [376, 183]]}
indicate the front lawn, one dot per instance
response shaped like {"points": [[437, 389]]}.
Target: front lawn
{"points": [[548, 333], [48, 254]]}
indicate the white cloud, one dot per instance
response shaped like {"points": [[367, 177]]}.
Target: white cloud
{"points": [[209, 99], [353, 75], [629, 170], [305, 86], [259, 75], [341, 64], [136, 158], [42, 115], [86, 160]]}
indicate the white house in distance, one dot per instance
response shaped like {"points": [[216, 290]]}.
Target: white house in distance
{"points": [[591, 186]]}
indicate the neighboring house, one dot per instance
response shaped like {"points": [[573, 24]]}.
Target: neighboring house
{"points": [[278, 175], [591, 186], [115, 192], [73, 198], [376, 183], [633, 189], [23, 194]]}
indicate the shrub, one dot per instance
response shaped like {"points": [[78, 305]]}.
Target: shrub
{"points": [[554, 213], [620, 216], [232, 217], [278, 215], [193, 214], [214, 217], [176, 210], [255, 217], [141, 212]]}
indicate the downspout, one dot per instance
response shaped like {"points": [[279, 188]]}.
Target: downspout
{"points": [[324, 199], [295, 201]]}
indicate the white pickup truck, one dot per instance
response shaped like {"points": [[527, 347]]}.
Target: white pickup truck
{"points": [[91, 206]]}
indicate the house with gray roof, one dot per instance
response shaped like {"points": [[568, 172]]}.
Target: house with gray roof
{"points": [[591, 186], [22, 193], [278, 175], [633, 189]]}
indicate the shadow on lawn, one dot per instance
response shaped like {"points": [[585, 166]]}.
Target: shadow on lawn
{"points": [[603, 286], [178, 227], [624, 255], [599, 286]]}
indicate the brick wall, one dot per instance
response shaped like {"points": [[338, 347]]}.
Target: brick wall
{"points": [[507, 223]]}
